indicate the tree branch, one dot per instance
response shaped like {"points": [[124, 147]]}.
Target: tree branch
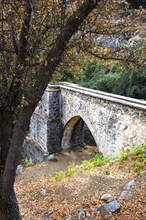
{"points": [[55, 54], [108, 58]]}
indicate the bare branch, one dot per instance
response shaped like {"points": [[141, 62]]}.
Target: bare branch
{"points": [[108, 57]]}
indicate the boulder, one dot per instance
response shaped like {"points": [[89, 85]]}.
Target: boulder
{"points": [[107, 197], [109, 207]]}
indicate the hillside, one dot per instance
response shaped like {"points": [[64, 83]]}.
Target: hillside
{"points": [[78, 196]]}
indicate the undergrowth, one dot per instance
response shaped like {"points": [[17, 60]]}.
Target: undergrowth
{"points": [[71, 171], [137, 155], [98, 160], [26, 163]]}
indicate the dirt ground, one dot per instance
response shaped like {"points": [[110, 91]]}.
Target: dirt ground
{"points": [[84, 190]]}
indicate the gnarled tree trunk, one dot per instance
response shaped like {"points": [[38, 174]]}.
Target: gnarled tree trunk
{"points": [[10, 156], [6, 130], [8, 203], [9, 209]]}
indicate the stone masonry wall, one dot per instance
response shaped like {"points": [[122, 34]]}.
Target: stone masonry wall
{"points": [[45, 126], [116, 123]]}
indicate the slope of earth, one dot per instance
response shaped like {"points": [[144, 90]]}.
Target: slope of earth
{"points": [[41, 199]]}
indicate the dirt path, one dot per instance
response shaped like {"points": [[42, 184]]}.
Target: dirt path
{"points": [[49, 168]]}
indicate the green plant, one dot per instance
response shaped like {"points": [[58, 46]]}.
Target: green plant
{"points": [[132, 83], [58, 176], [137, 166], [88, 165], [139, 150], [71, 171], [27, 133], [100, 75], [87, 147], [27, 163], [114, 77], [123, 155], [106, 171], [137, 154], [98, 160]]}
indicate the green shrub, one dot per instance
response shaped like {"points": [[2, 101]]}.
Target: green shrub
{"points": [[139, 150], [123, 155], [27, 163], [88, 165], [137, 166], [112, 77], [115, 78], [100, 75], [98, 160], [71, 171], [138, 153], [59, 176], [132, 83], [106, 171]]}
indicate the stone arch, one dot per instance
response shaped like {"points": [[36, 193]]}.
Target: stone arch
{"points": [[75, 134]]}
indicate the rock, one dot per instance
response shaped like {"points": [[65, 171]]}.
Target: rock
{"points": [[81, 213], [45, 157], [19, 169], [107, 197], [129, 184], [32, 151], [52, 157], [43, 192], [89, 218], [74, 218], [109, 207], [124, 193], [67, 218], [44, 219], [46, 213]]}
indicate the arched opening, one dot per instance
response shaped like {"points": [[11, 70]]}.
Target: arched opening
{"points": [[77, 135]]}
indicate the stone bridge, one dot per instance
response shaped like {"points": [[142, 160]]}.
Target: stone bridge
{"points": [[59, 121]]}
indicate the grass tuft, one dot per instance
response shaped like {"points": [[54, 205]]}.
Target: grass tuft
{"points": [[71, 171], [137, 166], [98, 160]]}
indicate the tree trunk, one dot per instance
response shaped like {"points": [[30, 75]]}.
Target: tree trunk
{"points": [[9, 209], [6, 131]]}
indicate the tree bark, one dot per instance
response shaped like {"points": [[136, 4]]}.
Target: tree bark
{"points": [[6, 130], [9, 209]]}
